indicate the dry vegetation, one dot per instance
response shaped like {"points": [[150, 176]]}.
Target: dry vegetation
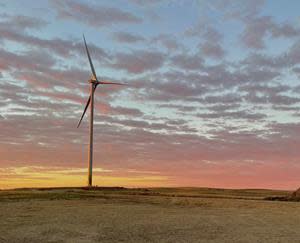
{"points": [[147, 215]]}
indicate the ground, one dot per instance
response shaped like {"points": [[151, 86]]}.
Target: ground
{"points": [[147, 215]]}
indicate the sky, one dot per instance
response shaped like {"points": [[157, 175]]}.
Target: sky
{"points": [[213, 94]]}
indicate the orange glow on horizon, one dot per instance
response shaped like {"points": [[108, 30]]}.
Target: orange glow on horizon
{"points": [[28, 177], [38, 176]]}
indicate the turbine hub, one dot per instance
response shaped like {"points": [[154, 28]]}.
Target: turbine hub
{"points": [[93, 81]]}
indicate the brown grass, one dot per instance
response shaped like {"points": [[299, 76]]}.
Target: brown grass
{"points": [[147, 215]]}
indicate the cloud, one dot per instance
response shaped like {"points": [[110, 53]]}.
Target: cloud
{"points": [[296, 89], [287, 59], [23, 23], [213, 50], [168, 41], [210, 39], [257, 26], [266, 94], [58, 46], [265, 89], [223, 99], [146, 3], [96, 16], [138, 61], [233, 115], [38, 62], [257, 60], [188, 62], [180, 108], [257, 29], [204, 30], [124, 37], [126, 111], [241, 10]]}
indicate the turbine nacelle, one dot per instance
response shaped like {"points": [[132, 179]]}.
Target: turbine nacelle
{"points": [[93, 81]]}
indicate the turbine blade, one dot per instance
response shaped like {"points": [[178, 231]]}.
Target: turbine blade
{"points": [[101, 82], [90, 60], [86, 106]]}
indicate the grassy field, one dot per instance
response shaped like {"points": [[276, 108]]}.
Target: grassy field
{"points": [[147, 215]]}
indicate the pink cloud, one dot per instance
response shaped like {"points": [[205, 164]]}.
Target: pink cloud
{"points": [[138, 61], [94, 15]]}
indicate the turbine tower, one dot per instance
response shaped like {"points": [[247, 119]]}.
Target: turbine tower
{"points": [[94, 82]]}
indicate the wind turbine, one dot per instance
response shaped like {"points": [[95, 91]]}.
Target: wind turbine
{"points": [[94, 82]]}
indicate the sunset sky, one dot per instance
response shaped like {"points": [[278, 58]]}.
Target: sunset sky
{"points": [[213, 97]]}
